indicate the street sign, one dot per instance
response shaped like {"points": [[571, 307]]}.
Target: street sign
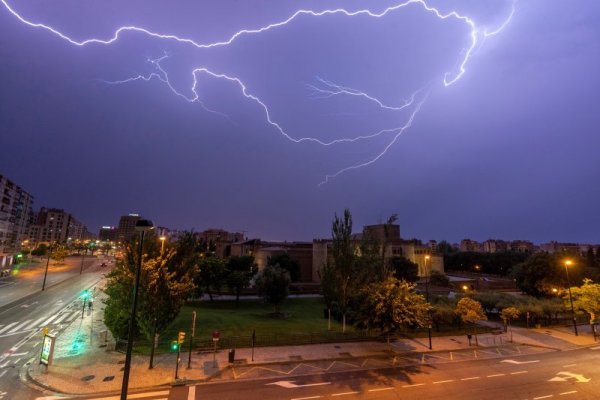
{"points": [[47, 350], [216, 335]]}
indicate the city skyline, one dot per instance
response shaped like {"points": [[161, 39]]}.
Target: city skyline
{"points": [[507, 151]]}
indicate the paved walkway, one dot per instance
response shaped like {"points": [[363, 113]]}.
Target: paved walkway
{"points": [[82, 364]]}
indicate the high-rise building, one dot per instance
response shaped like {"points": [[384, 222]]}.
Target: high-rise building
{"points": [[126, 228], [15, 216], [107, 234], [51, 226]]}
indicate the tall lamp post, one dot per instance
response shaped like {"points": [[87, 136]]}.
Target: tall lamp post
{"points": [[83, 258], [427, 298], [568, 263], [47, 264], [162, 244], [142, 226]]}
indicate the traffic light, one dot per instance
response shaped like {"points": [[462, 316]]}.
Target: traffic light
{"points": [[180, 337], [174, 345], [85, 294]]}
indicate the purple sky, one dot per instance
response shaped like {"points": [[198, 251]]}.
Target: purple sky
{"points": [[509, 151]]}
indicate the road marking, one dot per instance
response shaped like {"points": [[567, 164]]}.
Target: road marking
{"points": [[543, 397], [36, 323], [563, 376], [446, 381], [380, 389], [595, 348], [18, 354], [520, 362], [495, 375], [72, 317], [471, 378], [518, 372], [292, 385], [62, 316], [569, 365], [2, 373], [7, 327], [46, 322], [565, 393], [306, 398], [192, 393], [344, 394], [413, 385]]}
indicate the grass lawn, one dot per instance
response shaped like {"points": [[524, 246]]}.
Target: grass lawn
{"points": [[303, 316]]}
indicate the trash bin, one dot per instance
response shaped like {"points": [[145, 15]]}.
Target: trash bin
{"points": [[231, 355]]}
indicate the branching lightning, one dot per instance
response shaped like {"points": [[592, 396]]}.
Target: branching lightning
{"points": [[325, 89]]}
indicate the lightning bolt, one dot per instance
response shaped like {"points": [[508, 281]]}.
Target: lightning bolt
{"points": [[328, 89]]}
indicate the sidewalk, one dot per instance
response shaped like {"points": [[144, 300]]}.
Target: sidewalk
{"points": [[82, 364]]}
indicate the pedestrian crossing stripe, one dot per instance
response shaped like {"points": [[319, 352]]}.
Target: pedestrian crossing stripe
{"points": [[162, 395], [27, 325]]}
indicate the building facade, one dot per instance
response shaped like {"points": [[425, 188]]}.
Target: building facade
{"points": [[15, 216]]}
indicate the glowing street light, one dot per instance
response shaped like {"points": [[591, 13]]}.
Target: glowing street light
{"points": [[162, 244], [568, 263]]}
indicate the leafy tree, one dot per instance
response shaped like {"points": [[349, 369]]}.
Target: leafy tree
{"points": [[437, 278], [590, 258], [209, 276], [40, 251], [586, 298], [288, 263], [59, 254], [446, 248], [499, 263], [343, 261], [391, 305], [470, 311], [119, 297], [239, 272], [542, 272], [508, 314], [328, 289], [405, 269], [385, 264], [273, 285]]}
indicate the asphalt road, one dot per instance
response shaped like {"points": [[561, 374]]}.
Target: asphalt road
{"points": [[554, 375], [21, 323]]}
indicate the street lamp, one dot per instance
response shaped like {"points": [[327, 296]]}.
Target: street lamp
{"points": [[427, 298], [47, 264], [142, 226], [162, 244], [568, 263]]}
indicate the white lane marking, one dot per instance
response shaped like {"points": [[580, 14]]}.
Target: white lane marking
{"points": [[565, 393], [73, 316], [569, 365], [595, 348], [18, 360], [292, 385], [495, 375], [306, 398], [192, 393], [5, 364], [446, 381], [2, 373], [7, 327], [563, 376], [518, 372], [63, 316], [46, 322], [17, 354], [543, 397], [520, 362], [471, 378], [36, 323], [344, 393], [413, 385], [380, 389]]}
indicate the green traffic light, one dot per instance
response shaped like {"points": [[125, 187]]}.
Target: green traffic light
{"points": [[174, 345], [85, 294]]}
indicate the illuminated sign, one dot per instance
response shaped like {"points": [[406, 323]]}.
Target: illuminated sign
{"points": [[47, 350]]}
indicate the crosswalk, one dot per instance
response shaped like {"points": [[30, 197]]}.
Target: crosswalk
{"points": [[31, 324]]}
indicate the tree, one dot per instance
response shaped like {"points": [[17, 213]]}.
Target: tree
{"points": [[40, 251], [343, 260], [239, 272], [391, 305], [328, 289], [586, 298], [508, 314], [209, 276], [386, 266], [59, 254], [273, 285], [288, 263], [403, 268], [470, 311], [436, 278]]}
